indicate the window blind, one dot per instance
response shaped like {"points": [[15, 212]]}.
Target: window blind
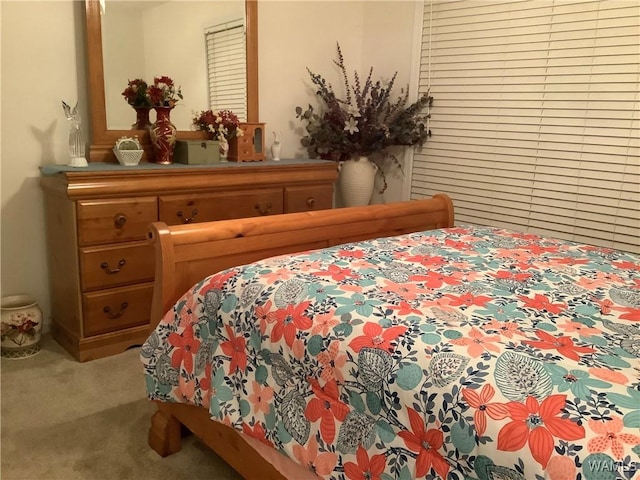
{"points": [[226, 67], [536, 116]]}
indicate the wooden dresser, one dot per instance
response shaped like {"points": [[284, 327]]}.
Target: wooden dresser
{"points": [[101, 266]]}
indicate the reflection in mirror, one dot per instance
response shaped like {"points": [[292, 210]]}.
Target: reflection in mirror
{"points": [[199, 44], [103, 138]]}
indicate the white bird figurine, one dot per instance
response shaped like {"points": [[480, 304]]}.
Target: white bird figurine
{"points": [[76, 139]]}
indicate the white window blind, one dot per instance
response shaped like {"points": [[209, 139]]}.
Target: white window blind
{"points": [[226, 67], [536, 116]]}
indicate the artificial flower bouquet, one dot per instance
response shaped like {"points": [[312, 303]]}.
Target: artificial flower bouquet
{"points": [[161, 93], [136, 93], [221, 124]]}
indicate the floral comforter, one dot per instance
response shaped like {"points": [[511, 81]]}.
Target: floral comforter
{"points": [[463, 353]]}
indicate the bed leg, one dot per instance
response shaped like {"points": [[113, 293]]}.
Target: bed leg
{"points": [[165, 433]]}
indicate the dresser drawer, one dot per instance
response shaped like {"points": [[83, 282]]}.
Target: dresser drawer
{"points": [[121, 220], [102, 267], [110, 310], [177, 209], [302, 199]]}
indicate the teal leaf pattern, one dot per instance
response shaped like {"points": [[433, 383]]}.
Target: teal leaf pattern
{"points": [[212, 302], [519, 377], [357, 429], [374, 367], [625, 296], [150, 346], [292, 412], [280, 369], [165, 373], [291, 292], [409, 375], [445, 368], [496, 472]]}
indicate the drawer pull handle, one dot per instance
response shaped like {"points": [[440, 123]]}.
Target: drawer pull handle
{"points": [[119, 220], [190, 219], [110, 271], [264, 211], [311, 202], [114, 315]]}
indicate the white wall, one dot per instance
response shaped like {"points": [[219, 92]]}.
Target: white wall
{"points": [[389, 37], [43, 62]]}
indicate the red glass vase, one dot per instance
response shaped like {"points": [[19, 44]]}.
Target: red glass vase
{"points": [[163, 136], [142, 118]]}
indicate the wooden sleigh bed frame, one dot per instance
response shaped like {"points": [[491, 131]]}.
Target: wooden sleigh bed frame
{"points": [[185, 254]]}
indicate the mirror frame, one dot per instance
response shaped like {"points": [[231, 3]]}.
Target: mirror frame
{"points": [[103, 139]]}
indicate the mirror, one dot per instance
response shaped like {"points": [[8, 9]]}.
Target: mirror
{"points": [[105, 133], [137, 44]]}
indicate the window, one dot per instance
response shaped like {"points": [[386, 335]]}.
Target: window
{"points": [[226, 67], [536, 116]]}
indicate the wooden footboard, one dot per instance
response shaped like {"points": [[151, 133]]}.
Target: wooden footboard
{"points": [[186, 254], [165, 437]]}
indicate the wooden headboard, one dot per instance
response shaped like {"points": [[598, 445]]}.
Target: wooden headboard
{"points": [[185, 254]]}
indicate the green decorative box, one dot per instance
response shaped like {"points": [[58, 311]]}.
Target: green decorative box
{"points": [[197, 152]]}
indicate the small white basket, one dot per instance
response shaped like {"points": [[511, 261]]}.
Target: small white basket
{"points": [[128, 151], [128, 158]]}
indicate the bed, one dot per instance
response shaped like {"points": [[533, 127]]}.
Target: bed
{"points": [[395, 345]]}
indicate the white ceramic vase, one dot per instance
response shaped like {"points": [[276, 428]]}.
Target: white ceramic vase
{"points": [[356, 181], [20, 327], [276, 146]]}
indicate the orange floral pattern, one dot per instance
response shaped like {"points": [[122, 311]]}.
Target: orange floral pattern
{"points": [[611, 437], [537, 424]]}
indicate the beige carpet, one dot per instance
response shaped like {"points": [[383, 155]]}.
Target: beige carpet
{"points": [[73, 421]]}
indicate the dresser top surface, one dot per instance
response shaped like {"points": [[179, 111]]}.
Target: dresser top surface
{"points": [[105, 167], [115, 180]]}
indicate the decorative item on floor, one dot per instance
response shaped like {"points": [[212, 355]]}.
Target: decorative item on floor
{"points": [[163, 95], [136, 95], [276, 146], [20, 327], [249, 147], [365, 123], [128, 151], [76, 139], [221, 125]]}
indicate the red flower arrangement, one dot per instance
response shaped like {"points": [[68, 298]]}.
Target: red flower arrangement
{"points": [[136, 93], [162, 93], [221, 124]]}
